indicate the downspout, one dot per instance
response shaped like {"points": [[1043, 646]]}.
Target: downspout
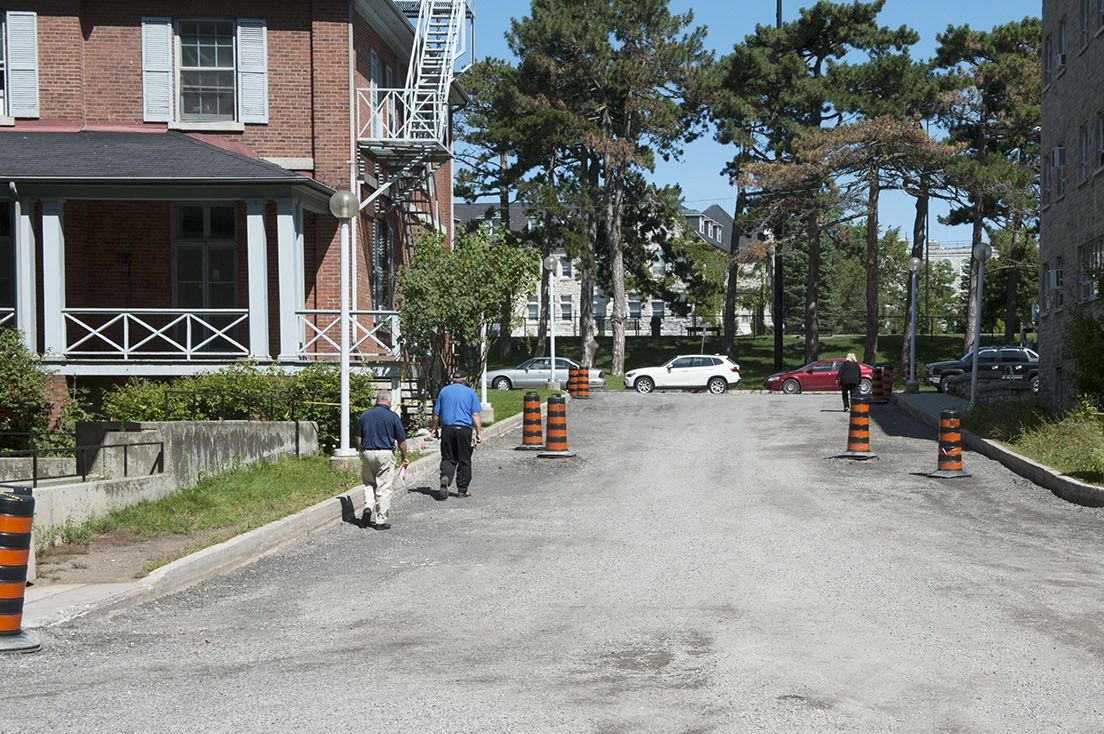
{"points": [[353, 157]]}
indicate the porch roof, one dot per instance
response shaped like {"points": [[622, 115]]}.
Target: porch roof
{"points": [[102, 161]]}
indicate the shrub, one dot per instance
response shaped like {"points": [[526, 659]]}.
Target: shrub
{"points": [[24, 406], [245, 391], [1085, 345]]}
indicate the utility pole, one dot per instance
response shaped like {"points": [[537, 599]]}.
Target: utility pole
{"points": [[777, 303]]}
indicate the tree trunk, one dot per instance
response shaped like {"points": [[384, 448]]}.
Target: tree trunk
{"points": [[1011, 292], [919, 240], [504, 196], [587, 326], [615, 191], [971, 303], [544, 306], [812, 286], [778, 301], [870, 353], [732, 284]]}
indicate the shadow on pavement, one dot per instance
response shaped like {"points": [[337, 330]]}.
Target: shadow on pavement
{"points": [[894, 422]]}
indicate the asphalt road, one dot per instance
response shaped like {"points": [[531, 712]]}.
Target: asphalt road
{"points": [[700, 566]]}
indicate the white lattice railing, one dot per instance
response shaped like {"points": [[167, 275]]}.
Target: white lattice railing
{"points": [[155, 333], [375, 334], [7, 317], [397, 114]]}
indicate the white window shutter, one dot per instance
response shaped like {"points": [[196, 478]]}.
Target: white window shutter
{"points": [[22, 66], [157, 69], [252, 71]]}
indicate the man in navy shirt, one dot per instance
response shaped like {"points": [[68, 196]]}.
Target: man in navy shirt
{"points": [[377, 431], [455, 413]]}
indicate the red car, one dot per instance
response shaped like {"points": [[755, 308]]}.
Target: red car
{"points": [[820, 375]]}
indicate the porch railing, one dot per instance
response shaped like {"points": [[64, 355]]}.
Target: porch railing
{"points": [[374, 334], [381, 113], [155, 333], [7, 317]]}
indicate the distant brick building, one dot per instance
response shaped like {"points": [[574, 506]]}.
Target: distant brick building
{"points": [[166, 167], [1071, 240]]}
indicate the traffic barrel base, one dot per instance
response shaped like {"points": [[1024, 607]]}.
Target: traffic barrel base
{"points": [[858, 432], [22, 641], [531, 437], [949, 459], [555, 437]]}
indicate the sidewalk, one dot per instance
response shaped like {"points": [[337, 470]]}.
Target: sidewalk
{"points": [[926, 407], [58, 603]]}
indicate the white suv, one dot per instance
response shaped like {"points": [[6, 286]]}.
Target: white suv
{"points": [[713, 372]]}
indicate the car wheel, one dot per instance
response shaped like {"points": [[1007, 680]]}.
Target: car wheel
{"points": [[502, 383], [865, 388], [717, 385], [644, 385], [791, 387], [1035, 384], [943, 384]]}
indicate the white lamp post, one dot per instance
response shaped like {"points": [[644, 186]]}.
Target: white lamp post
{"points": [[914, 267], [982, 253], [550, 265], [344, 205]]}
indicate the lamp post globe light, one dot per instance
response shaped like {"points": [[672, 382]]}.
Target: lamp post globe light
{"points": [[982, 252], [344, 205], [914, 267], [550, 266]]}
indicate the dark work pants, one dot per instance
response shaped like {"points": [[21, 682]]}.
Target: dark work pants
{"points": [[456, 453], [848, 392]]}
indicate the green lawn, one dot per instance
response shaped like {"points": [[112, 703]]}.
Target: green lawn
{"points": [[230, 503]]}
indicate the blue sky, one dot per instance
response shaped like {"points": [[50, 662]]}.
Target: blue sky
{"points": [[699, 172]]}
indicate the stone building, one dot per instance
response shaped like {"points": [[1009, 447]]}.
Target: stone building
{"points": [[1071, 240]]}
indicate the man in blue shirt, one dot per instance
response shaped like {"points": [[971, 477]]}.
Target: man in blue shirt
{"points": [[454, 414], [377, 431]]}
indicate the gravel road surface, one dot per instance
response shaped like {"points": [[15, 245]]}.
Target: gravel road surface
{"points": [[702, 565]]}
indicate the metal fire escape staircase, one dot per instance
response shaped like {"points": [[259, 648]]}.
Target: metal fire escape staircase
{"points": [[406, 130]]}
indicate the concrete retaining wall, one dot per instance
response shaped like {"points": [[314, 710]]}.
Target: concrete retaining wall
{"points": [[19, 469]]}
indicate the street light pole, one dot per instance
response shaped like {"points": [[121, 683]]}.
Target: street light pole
{"points": [[981, 254], [550, 264], [913, 266], [344, 206]]}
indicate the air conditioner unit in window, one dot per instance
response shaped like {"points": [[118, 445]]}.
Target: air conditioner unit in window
{"points": [[1061, 60]]}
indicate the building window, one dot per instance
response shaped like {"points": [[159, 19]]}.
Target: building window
{"points": [[1100, 14], [599, 306], [1059, 171], [532, 309], [634, 307], [1045, 180], [565, 308], [1099, 139], [1060, 60], [382, 270], [1083, 152], [657, 309], [1053, 283], [1090, 270], [207, 70], [7, 264], [565, 267], [1085, 23], [659, 267], [1048, 60]]}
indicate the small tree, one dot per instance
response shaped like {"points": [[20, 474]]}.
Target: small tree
{"points": [[24, 405], [450, 296]]}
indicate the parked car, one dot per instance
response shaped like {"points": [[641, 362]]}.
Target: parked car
{"points": [[820, 375], [535, 373], [712, 372], [1013, 364]]}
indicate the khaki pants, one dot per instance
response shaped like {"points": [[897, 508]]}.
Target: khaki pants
{"points": [[377, 471]]}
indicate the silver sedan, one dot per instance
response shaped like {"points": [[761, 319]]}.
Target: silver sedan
{"points": [[535, 373]]}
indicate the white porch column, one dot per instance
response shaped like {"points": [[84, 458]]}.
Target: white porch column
{"points": [[53, 278], [26, 301], [288, 242], [257, 262]]}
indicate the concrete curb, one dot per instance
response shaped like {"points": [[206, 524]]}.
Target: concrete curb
{"points": [[1067, 488], [220, 559]]}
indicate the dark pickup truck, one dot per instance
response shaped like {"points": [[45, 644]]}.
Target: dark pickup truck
{"points": [[1012, 364]]}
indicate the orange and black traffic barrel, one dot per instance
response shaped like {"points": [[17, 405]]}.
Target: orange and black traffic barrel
{"points": [[582, 384], [858, 432], [877, 393], [949, 464], [531, 437], [555, 434], [16, 516], [887, 382]]}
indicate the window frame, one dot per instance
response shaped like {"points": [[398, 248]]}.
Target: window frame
{"points": [[1085, 24], [3, 67], [179, 69], [205, 242], [1090, 264], [1059, 169], [567, 314], [1048, 59], [1083, 152]]}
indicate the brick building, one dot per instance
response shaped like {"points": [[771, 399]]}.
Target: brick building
{"points": [[1071, 238], [166, 168]]}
